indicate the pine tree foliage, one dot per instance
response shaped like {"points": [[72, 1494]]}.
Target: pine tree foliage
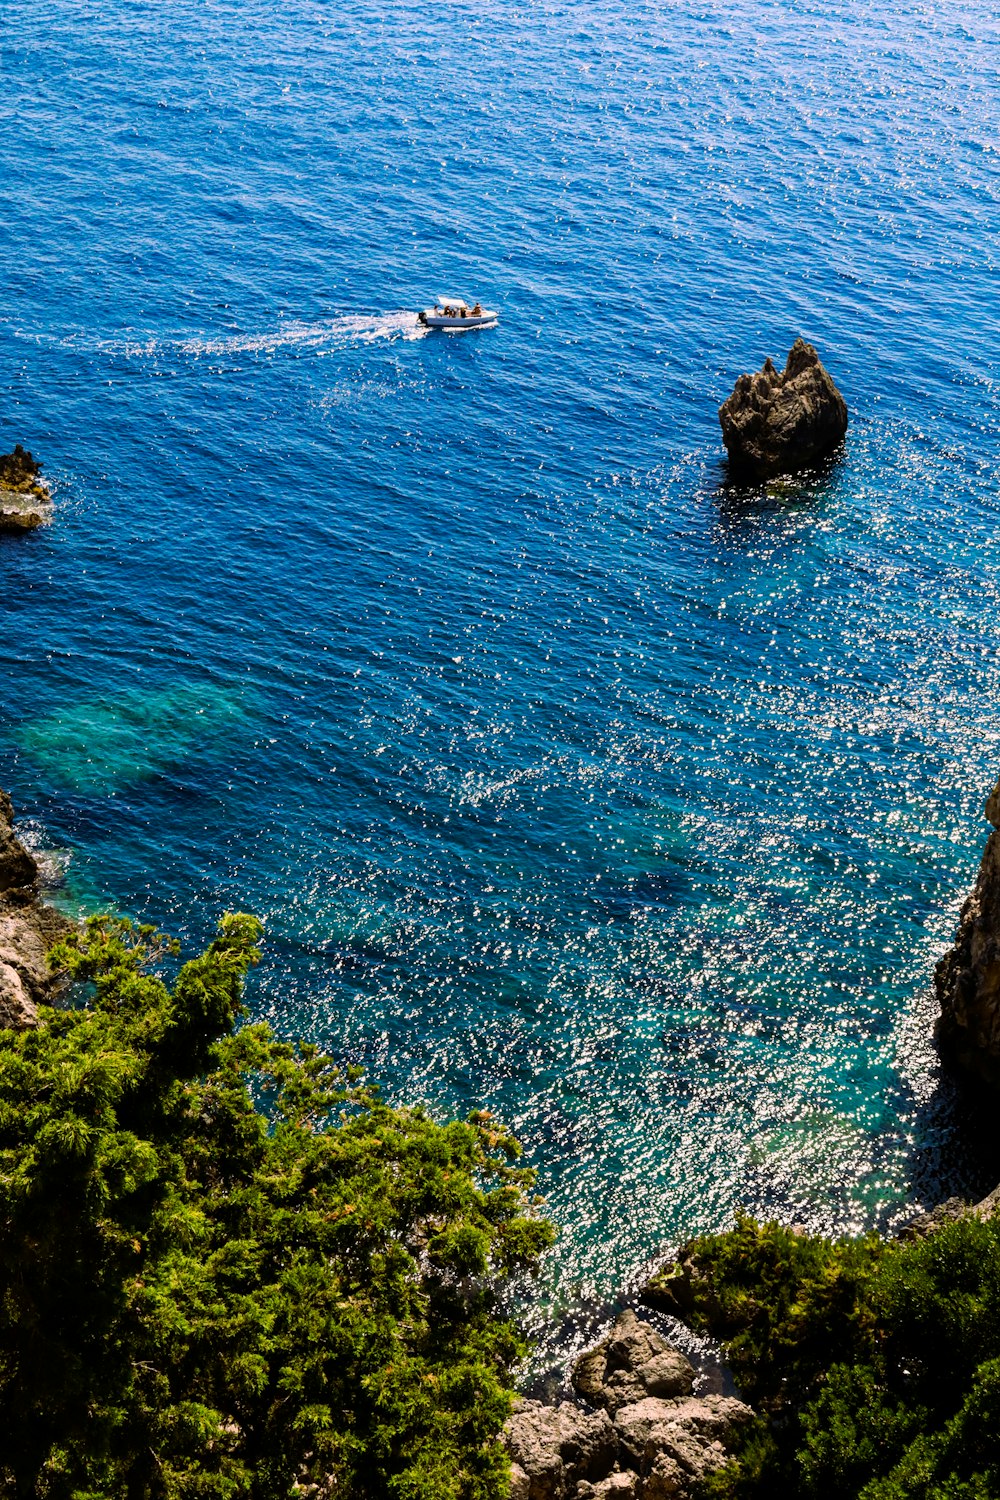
{"points": [[227, 1268]]}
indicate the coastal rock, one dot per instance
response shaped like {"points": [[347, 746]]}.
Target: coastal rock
{"points": [[19, 514], [988, 1206], [551, 1447], [673, 1289], [688, 1432], [967, 979], [774, 423], [532, 1438], [17, 867], [929, 1222], [632, 1362], [27, 932], [666, 1480], [621, 1485], [638, 1445], [17, 1009], [589, 1446], [19, 470], [28, 929], [25, 502]]}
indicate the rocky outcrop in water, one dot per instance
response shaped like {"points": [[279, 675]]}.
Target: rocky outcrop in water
{"points": [[774, 423], [25, 502], [649, 1438], [28, 928], [967, 979]]}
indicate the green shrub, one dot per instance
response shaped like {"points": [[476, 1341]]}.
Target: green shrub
{"points": [[204, 1297], [875, 1366]]}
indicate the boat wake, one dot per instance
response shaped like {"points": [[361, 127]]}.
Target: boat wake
{"points": [[326, 335], [331, 333]]}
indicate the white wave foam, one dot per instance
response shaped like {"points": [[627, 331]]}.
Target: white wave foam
{"points": [[344, 332]]}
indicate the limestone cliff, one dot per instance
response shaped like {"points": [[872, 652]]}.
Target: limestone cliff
{"points": [[968, 977], [28, 928]]}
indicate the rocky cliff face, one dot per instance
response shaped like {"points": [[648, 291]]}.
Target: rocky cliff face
{"points": [[779, 421], [28, 928], [649, 1438], [968, 977]]}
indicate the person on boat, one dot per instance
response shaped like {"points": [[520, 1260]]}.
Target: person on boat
{"points": [[477, 311]]}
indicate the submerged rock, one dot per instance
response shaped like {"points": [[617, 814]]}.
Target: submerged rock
{"points": [[774, 423], [967, 979], [25, 502], [650, 1437], [28, 928]]}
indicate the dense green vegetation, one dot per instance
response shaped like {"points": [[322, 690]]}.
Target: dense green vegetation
{"points": [[229, 1270], [875, 1366]]}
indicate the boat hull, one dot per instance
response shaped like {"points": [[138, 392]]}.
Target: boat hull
{"points": [[477, 320]]}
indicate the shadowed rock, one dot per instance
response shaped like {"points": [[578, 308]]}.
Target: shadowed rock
{"points": [[967, 979], [17, 867], [775, 423], [28, 928], [25, 502]]}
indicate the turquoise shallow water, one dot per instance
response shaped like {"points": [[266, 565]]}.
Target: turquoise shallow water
{"points": [[566, 778]]}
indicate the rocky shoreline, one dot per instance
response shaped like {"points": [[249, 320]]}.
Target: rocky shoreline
{"points": [[642, 1425], [28, 929]]}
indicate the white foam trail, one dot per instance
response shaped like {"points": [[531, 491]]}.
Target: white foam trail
{"points": [[334, 332], [330, 333]]}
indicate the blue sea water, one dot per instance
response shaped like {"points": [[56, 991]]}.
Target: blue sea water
{"points": [[567, 779]]}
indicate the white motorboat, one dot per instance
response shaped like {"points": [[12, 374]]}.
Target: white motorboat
{"points": [[455, 312]]}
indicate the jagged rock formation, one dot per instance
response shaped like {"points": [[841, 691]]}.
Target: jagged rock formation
{"points": [[633, 1362], [28, 928], [775, 423], [25, 502], [649, 1439], [967, 979]]}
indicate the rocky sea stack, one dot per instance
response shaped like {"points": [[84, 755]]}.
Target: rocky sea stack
{"points": [[28, 928], [25, 502], [968, 977], [775, 423]]}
